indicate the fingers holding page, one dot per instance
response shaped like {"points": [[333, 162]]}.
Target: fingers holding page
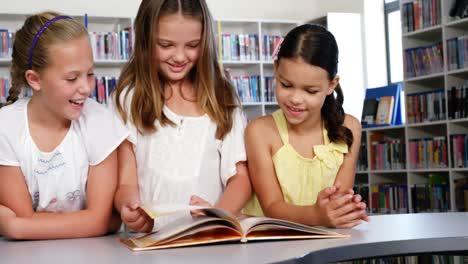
{"points": [[136, 219]]}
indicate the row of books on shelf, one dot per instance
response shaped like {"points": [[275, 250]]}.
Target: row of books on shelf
{"points": [[423, 258], [269, 44], [6, 43], [425, 106], [248, 88], [104, 86], [459, 147], [388, 154], [433, 196], [111, 45], [246, 47], [419, 14], [424, 60], [457, 52], [458, 102], [430, 106], [240, 47], [426, 153], [430, 197], [105, 45], [389, 198]]}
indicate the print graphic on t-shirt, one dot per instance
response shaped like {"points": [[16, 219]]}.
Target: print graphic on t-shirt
{"points": [[49, 171], [46, 166], [35, 200], [74, 196]]}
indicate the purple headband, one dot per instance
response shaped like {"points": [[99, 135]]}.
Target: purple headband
{"points": [[38, 34]]}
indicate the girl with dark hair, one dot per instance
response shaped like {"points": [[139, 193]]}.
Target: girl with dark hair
{"points": [[302, 158]]}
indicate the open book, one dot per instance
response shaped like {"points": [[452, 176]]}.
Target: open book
{"points": [[220, 226]]}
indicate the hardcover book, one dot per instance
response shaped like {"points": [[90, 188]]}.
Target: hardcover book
{"points": [[212, 225]]}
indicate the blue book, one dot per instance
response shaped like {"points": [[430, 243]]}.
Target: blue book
{"points": [[394, 90]]}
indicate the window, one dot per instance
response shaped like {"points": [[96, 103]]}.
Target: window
{"points": [[394, 43]]}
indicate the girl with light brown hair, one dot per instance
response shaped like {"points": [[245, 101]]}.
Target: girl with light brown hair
{"points": [[186, 143]]}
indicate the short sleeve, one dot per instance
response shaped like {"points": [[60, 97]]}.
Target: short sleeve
{"points": [[102, 131], [7, 153], [233, 147], [125, 100]]}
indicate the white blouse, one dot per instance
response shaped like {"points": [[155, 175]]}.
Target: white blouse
{"points": [[56, 180], [179, 161]]}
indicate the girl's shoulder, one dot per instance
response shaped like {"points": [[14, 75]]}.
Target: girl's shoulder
{"points": [[97, 118], [17, 108], [100, 130], [94, 111], [352, 123], [263, 126], [11, 115]]}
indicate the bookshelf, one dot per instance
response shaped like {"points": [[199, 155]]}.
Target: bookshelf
{"points": [[255, 63], [435, 176], [113, 31], [245, 48]]}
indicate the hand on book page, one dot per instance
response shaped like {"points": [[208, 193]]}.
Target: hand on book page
{"points": [[159, 210], [217, 225]]}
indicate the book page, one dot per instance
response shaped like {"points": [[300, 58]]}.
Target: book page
{"points": [[214, 234], [182, 226], [263, 224], [159, 210]]}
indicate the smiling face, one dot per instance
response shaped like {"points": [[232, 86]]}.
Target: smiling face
{"points": [[66, 82], [177, 45], [301, 89]]}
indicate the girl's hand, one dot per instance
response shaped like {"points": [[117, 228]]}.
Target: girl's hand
{"points": [[197, 200], [357, 198], [340, 212], [7, 219], [136, 219]]}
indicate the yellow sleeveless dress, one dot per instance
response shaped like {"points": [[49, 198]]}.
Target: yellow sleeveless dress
{"points": [[301, 179]]}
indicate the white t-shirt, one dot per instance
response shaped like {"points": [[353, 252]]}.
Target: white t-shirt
{"points": [[56, 180], [177, 162]]}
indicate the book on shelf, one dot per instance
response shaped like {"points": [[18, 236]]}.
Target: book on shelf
{"points": [[369, 111], [389, 103], [461, 194], [212, 225], [385, 110], [458, 101], [426, 106]]}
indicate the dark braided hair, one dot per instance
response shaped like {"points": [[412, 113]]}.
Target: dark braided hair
{"points": [[317, 46]]}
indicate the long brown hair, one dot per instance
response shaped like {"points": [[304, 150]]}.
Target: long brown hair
{"points": [[215, 94], [317, 46], [59, 31]]}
